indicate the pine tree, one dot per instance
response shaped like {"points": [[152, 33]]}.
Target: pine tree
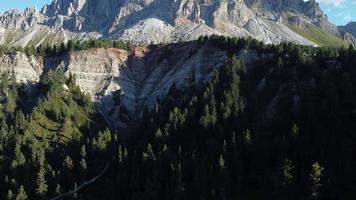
{"points": [[83, 152], [58, 189], [221, 163], [177, 183], [120, 156], [294, 131], [10, 195], [165, 148], [10, 105], [83, 164], [315, 178], [279, 63], [149, 153], [68, 163], [41, 183], [19, 157], [75, 196], [247, 137], [158, 133], [287, 172], [21, 194]]}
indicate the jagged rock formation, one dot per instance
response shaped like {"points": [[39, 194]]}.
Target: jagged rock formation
{"points": [[348, 32], [30, 28], [350, 28], [161, 21], [142, 75]]}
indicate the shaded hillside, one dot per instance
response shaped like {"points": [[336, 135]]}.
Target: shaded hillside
{"points": [[277, 123]]}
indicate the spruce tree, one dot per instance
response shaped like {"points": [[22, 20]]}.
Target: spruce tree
{"points": [[247, 137], [83, 152], [21, 194], [10, 195], [68, 163], [41, 183], [287, 172], [315, 178], [83, 164]]}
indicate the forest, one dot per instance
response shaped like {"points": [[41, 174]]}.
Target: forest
{"points": [[280, 128], [64, 48]]}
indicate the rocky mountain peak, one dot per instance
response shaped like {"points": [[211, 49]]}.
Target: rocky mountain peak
{"points": [[15, 19], [63, 7], [165, 21], [350, 28]]}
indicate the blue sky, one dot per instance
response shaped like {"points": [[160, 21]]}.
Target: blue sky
{"points": [[339, 11], [21, 4]]}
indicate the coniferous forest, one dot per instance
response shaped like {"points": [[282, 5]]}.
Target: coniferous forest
{"points": [[283, 127]]}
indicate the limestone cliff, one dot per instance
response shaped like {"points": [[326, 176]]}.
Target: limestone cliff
{"points": [[350, 28], [142, 75], [161, 21]]}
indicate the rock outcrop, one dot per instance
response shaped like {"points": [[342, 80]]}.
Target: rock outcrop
{"points": [[350, 28], [142, 75], [26, 69], [348, 32], [161, 21]]}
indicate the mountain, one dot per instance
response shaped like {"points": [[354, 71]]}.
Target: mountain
{"points": [[141, 75], [350, 28], [166, 21], [214, 118]]}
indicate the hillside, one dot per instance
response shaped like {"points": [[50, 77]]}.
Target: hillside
{"points": [[141, 74], [177, 100], [239, 119], [319, 36]]}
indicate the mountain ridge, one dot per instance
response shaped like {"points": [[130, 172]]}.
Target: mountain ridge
{"points": [[157, 21], [349, 28]]}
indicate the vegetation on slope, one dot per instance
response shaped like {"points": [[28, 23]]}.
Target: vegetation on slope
{"points": [[280, 128], [318, 35], [64, 48], [64, 113]]}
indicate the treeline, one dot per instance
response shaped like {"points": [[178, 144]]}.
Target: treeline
{"points": [[231, 44], [65, 48]]}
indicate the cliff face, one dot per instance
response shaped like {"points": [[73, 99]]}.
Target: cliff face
{"points": [[141, 75], [26, 69], [350, 28], [160, 21]]}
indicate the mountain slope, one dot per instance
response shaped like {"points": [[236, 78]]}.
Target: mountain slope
{"points": [[277, 123], [350, 28], [318, 35], [141, 75], [163, 21]]}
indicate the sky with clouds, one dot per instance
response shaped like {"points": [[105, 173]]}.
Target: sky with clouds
{"points": [[339, 11]]}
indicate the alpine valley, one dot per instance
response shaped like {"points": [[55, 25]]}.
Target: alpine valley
{"points": [[177, 99]]}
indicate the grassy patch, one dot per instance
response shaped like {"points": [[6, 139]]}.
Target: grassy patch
{"points": [[318, 35]]}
